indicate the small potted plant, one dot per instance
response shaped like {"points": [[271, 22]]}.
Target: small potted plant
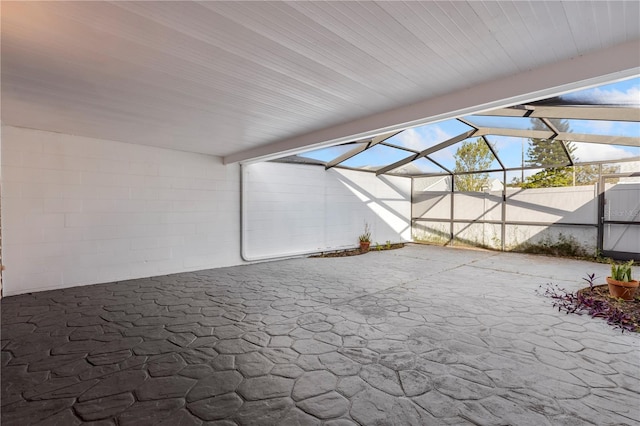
{"points": [[365, 238], [621, 285]]}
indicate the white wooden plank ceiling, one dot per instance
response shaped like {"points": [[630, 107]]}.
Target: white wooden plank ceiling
{"points": [[226, 78]]}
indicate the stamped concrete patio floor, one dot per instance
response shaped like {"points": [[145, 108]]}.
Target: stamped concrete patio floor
{"points": [[422, 335]]}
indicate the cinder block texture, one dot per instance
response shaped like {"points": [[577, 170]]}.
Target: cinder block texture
{"points": [[78, 210], [293, 208]]}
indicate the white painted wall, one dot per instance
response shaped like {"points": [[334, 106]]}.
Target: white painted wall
{"points": [[80, 211], [293, 209]]}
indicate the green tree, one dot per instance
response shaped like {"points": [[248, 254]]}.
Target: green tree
{"points": [[550, 177], [472, 156], [576, 175], [589, 174], [550, 154]]}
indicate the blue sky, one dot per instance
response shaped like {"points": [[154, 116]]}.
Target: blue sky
{"points": [[626, 93]]}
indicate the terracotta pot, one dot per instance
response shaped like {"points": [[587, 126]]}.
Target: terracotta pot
{"points": [[622, 289], [364, 246]]}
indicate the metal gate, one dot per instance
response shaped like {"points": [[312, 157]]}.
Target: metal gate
{"points": [[619, 214]]}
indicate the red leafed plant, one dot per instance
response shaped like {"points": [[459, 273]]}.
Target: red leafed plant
{"points": [[592, 302]]}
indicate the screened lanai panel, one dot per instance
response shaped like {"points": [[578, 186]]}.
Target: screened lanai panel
{"points": [[625, 167], [588, 152], [605, 127], [486, 235], [511, 151], [376, 157], [478, 206], [469, 155], [594, 125], [424, 137], [478, 182], [619, 93], [514, 177], [430, 205], [552, 205], [327, 154], [417, 167], [547, 154]]}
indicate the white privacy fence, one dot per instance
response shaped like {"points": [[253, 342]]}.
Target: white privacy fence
{"points": [[621, 216], [521, 218]]}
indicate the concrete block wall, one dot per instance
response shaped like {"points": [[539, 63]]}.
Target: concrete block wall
{"points": [[292, 209], [78, 211]]}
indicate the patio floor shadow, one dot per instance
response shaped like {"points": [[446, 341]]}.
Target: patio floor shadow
{"points": [[422, 335]]}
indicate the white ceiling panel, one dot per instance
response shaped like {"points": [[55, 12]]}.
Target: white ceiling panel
{"points": [[236, 78]]}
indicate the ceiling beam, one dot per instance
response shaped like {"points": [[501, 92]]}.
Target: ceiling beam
{"points": [[514, 111], [587, 112], [601, 139], [563, 136], [518, 133], [582, 71]]}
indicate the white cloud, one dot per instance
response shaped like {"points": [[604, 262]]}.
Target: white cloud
{"points": [[603, 127], [410, 139], [598, 152], [509, 144], [444, 157], [608, 96], [422, 137]]}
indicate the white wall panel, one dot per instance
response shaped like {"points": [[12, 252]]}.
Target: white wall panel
{"points": [[293, 209], [478, 206], [623, 238], [562, 205], [622, 203], [432, 204], [80, 211]]}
